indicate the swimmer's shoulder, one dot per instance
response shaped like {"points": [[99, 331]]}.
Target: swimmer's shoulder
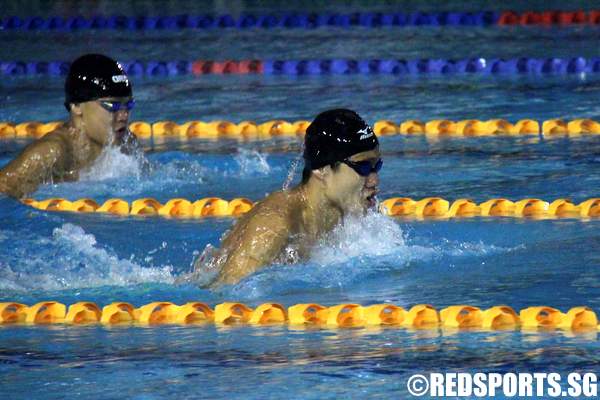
{"points": [[274, 211], [47, 149], [280, 203], [38, 161], [57, 140], [61, 135]]}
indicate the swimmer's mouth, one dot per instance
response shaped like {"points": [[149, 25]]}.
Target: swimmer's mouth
{"points": [[120, 133], [371, 199]]}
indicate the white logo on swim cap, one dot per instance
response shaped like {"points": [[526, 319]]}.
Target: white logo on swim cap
{"points": [[119, 78], [366, 133]]}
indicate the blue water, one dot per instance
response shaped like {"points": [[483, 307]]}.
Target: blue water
{"points": [[483, 262]]}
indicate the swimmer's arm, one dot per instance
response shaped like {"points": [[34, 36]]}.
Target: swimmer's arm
{"points": [[261, 242], [31, 168]]}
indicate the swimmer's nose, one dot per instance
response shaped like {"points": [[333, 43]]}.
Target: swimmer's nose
{"points": [[372, 180], [122, 115]]}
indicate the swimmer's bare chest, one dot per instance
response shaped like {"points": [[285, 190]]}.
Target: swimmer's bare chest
{"points": [[66, 169], [77, 156]]}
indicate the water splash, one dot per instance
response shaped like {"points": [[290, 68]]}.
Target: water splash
{"points": [[359, 250], [205, 268], [293, 167], [251, 162], [113, 163], [170, 172], [467, 249], [73, 259], [359, 247], [133, 176], [292, 172], [176, 172], [372, 235]]}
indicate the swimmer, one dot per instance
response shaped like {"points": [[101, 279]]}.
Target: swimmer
{"points": [[99, 99], [341, 162]]}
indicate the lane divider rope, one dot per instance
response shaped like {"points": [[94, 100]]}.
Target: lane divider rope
{"points": [[300, 20], [422, 316], [429, 207], [249, 130], [417, 67]]}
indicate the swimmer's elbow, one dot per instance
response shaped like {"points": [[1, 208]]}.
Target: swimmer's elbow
{"points": [[237, 268], [261, 244], [226, 279], [27, 171], [11, 190]]}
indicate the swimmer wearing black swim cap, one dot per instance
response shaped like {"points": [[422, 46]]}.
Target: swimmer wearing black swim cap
{"points": [[99, 99], [340, 178], [342, 140]]}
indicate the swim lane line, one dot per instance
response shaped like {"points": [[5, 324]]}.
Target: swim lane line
{"points": [[421, 316], [426, 208], [250, 130]]}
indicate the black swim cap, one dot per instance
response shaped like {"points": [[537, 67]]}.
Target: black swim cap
{"points": [[335, 135], [94, 76]]}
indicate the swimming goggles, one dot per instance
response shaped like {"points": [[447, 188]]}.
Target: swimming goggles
{"points": [[114, 106], [364, 168]]}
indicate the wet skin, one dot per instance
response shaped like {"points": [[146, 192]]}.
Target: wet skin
{"points": [[62, 153], [297, 217]]}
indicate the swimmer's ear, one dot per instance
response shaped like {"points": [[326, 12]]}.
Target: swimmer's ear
{"points": [[321, 173], [76, 109]]}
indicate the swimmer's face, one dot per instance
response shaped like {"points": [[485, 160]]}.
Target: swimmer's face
{"points": [[350, 191], [103, 126]]}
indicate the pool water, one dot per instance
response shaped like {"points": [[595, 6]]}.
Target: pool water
{"points": [[482, 262]]}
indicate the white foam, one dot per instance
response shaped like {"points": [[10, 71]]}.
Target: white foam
{"points": [[372, 235], [359, 249], [111, 164], [76, 261]]}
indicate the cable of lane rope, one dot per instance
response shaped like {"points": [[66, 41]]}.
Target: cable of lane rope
{"points": [[248, 21], [249, 130], [426, 208], [417, 67], [422, 316], [301, 20]]}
